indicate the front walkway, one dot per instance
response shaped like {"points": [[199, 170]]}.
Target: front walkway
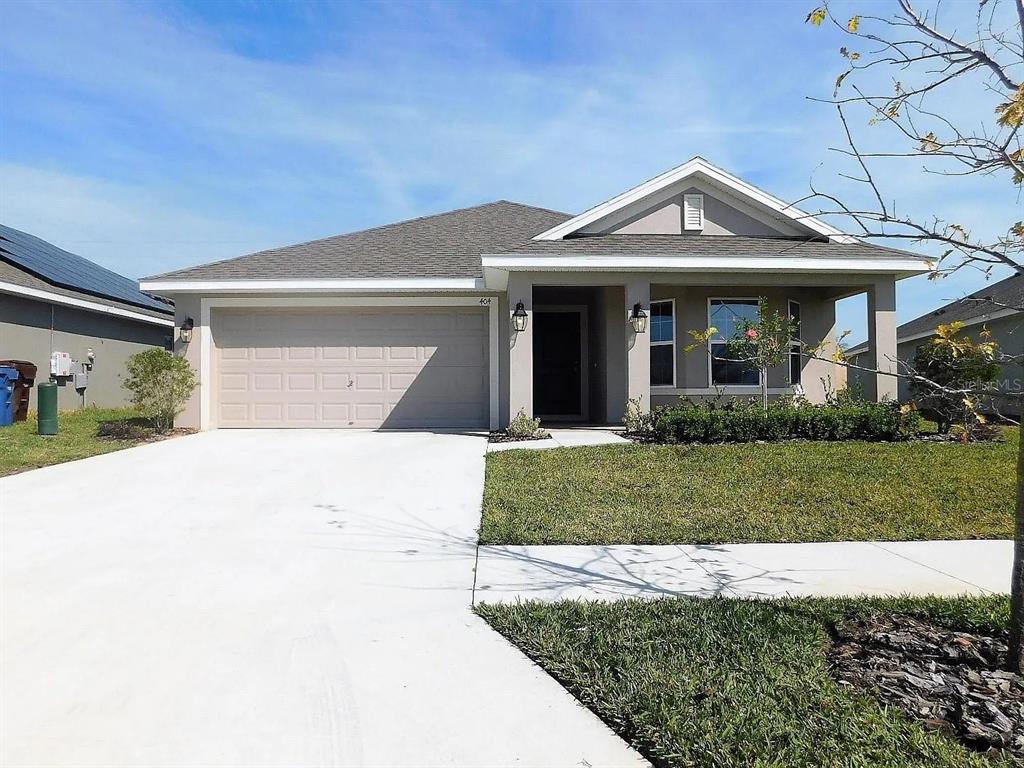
{"points": [[507, 574], [567, 437], [266, 598]]}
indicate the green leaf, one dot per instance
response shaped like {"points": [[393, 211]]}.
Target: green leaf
{"points": [[817, 16], [853, 24]]}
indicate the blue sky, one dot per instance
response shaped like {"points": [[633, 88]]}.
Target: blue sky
{"points": [[150, 136]]}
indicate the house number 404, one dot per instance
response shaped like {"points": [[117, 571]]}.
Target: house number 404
{"points": [[485, 302]]}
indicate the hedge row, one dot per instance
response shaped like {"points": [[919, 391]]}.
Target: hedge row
{"points": [[692, 422]]}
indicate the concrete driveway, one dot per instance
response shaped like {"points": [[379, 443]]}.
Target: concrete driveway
{"points": [[273, 598]]}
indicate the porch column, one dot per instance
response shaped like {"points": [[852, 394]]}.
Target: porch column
{"points": [[882, 340], [638, 345], [520, 368]]}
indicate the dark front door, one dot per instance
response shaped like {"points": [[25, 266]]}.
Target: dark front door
{"points": [[557, 364]]}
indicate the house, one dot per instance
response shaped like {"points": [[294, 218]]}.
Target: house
{"points": [[57, 306], [463, 319], [995, 307]]}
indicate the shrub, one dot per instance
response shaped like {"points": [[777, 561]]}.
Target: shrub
{"points": [[745, 421], [956, 362], [522, 427], [636, 420], [160, 384]]}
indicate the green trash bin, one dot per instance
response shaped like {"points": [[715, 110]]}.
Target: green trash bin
{"points": [[46, 394]]}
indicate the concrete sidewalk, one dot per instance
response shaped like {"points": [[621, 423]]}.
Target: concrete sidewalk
{"points": [[507, 574], [572, 437]]}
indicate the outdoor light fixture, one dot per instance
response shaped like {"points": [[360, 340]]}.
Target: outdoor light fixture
{"points": [[185, 333], [638, 319], [519, 318]]}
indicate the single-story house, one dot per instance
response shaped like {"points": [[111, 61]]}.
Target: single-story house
{"points": [[74, 320], [465, 318], [995, 307]]}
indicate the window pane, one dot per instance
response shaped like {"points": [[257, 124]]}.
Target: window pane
{"points": [[726, 371], [661, 366], [726, 315], [794, 316], [794, 367], [661, 321]]}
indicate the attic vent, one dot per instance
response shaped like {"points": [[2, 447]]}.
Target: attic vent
{"points": [[693, 212]]}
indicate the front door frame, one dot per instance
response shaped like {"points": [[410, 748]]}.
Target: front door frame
{"points": [[584, 312]]}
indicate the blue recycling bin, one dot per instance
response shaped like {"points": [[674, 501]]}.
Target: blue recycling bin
{"points": [[7, 378]]}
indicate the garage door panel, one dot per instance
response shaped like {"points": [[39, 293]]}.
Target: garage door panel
{"points": [[393, 368]]}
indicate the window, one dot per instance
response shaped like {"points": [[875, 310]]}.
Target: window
{"points": [[693, 212], [663, 344], [726, 315], [795, 361]]}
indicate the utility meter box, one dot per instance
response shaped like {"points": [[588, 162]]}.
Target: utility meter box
{"points": [[60, 364], [81, 380]]}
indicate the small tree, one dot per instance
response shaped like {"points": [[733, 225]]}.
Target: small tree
{"points": [[160, 384], [764, 343], [955, 362]]}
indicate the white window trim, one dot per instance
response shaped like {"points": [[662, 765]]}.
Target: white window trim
{"points": [[722, 339], [490, 303], [671, 342], [794, 346]]}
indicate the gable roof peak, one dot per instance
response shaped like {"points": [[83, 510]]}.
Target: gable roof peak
{"points": [[718, 177]]}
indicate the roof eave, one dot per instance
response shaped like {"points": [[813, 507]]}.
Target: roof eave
{"points": [[318, 285]]}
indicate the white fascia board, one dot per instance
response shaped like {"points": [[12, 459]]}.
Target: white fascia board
{"points": [[314, 286], [713, 172], [90, 306], [675, 263]]}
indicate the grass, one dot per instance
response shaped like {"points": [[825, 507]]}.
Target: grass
{"points": [[22, 449], [775, 492], [734, 683]]}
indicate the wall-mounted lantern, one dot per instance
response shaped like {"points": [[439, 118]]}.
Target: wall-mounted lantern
{"points": [[638, 319], [185, 332], [519, 318]]}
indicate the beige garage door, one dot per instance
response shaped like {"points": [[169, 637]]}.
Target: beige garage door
{"points": [[367, 367]]}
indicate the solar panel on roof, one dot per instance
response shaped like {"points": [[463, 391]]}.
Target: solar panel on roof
{"points": [[69, 270]]}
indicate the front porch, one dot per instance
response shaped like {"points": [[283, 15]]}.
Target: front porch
{"points": [[579, 360]]}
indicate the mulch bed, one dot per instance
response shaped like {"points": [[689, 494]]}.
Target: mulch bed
{"points": [[503, 437], [138, 430], [948, 680]]}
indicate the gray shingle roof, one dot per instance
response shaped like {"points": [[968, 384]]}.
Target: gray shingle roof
{"points": [[1009, 292], [449, 245], [10, 273], [443, 245], [708, 245]]}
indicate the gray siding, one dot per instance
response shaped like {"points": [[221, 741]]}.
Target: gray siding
{"points": [[31, 330], [1007, 331]]}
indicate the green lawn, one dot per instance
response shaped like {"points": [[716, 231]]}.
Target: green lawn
{"points": [[734, 683], [21, 448], [792, 491]]}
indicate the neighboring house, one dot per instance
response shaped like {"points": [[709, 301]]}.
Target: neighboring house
{"points": [[414, 324], [992, 308], [52, 301]]}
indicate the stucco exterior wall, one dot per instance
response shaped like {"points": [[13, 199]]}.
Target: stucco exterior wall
{"points": [[609, 339], [693, 369], [721, 217], [32, 330]]}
